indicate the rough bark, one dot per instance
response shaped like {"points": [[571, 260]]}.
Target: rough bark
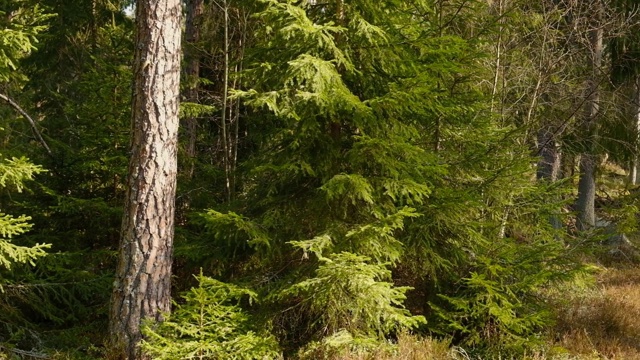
{"points": [[194, 10], [587, 184], [142, 284]]}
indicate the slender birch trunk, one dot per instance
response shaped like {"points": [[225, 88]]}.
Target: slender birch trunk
{"points": [[634, 176]]}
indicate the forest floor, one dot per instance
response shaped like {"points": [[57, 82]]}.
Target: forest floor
{"points": [[604, 322], [600, 322]]}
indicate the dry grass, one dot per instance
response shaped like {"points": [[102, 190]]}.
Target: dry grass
{"points": [[411, 348], [604, 324]]}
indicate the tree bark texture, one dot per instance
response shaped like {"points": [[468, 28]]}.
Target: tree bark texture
{"points": [[194, 11], [587, 183], [143, 277]]}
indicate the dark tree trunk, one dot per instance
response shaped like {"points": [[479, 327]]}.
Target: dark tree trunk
{"points": [[143, 277]]}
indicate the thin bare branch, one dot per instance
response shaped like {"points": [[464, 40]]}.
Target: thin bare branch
{"points": [[30, 119]]}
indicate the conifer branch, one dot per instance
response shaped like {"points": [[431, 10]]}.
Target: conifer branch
{"points": [[30, 119]]}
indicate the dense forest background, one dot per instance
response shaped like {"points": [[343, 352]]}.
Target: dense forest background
{"points": [[357, 179]]}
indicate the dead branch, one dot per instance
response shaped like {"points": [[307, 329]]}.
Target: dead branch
{"points": [[30, 119]]}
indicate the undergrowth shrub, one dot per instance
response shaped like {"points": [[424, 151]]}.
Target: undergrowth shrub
{"points": [[354, 304], [496, 305], [211, 324]]}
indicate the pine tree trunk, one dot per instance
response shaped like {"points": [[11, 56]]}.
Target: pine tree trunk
{"points": [[143, 277], [587, 183], [194, 10]]}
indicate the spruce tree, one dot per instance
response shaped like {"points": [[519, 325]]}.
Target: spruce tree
{"points": [[376, 149], [22, 23]]}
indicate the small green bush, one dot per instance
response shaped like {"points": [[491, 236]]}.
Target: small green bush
{"points": [[210, 325]]}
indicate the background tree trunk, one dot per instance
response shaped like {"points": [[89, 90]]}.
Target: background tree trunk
{"points": [[550, 156], [549, 163], [194, 10], [587, 183], [635, 163], [143, 278]]}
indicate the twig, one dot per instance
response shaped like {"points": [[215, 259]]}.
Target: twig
{"points": [[31, 354], [30, 119]]}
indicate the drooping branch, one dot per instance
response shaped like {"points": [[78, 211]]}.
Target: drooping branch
{"points": [[30, 119]]}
